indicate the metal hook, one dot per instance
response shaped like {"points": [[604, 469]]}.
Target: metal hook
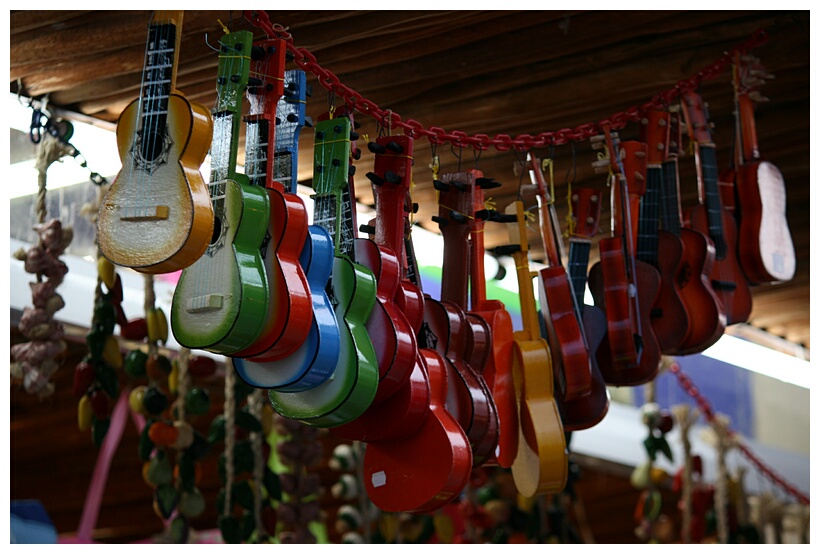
{"points": [[209, 44]]}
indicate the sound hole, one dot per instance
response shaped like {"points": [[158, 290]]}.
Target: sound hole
{"points": [[152, 145], [217, 230]]}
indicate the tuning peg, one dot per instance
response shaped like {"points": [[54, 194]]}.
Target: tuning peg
{"points": [[601, 166], [506, 249], [351, 170], [394, 147], [289, 55], [354, 135], [367, 229], [487, 183], [309, 91], [440, 185], [757, 97], [498, 217], [483, 215], [639, 176], [292, 118], [308, 121], [458, 217], [253, 82], [375, 147], [459, 185], [440, 220], [257, 53], [391, 177], [375, 179], [415, 207]]}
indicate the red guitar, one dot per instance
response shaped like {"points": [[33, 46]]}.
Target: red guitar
{"points": [[472, 404], [497, 371], [710, 218], [764, 243], [707, 321], [429, 469], [626, 289], [570, 356], [589, 410], [290, 309], [662, 250]]}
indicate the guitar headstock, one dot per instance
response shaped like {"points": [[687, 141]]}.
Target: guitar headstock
{"points": [[634, 154], [331, 153], [610, 143], [391, 177], [233, 71], [456, 194], [696, 115], [290, 119], [749, 77], [537, 178], [675, 133], [656, 134], [586, 211]]}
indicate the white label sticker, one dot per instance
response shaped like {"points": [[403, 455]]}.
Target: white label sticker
{"points": [[379, 479]]}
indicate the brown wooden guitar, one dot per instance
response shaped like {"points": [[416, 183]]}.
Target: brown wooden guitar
{"points": [[712, 219]]}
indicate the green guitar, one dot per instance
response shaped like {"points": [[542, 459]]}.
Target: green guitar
{"points": [[219, 303], [352, 291]]}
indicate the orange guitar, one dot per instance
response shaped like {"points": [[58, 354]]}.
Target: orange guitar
{"points": [[157, 216], [540, 465]]}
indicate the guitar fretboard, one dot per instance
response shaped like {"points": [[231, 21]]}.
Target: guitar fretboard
{"points": [[256, 151], [647, 247], [714, 207], [578, 261], [670, 204], [290, 119], [157, 84]]}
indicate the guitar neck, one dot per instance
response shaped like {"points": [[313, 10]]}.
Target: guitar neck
{"points": [[158, 78], [707, 160], [290, 119], [257, 147], [647, 244], [670, 193], [579, 249]]}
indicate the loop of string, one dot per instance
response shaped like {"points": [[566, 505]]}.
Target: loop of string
{"points": [[501, 142], [706, 408]]}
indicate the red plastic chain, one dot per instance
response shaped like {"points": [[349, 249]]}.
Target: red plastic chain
{"points": [[501, 142], [706, 408]]}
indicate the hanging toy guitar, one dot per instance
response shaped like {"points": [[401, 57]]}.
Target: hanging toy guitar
{"points": [[428, 469], [497, 371], [219, 302], [707, 321], [625, 288], [570, 356], [581, 392], [472, 402], [540, 465], [289, 317], [585, 207], [405, 404], [764, 243], [352, 289], [305, 310], [157, 216], [712, 219]]}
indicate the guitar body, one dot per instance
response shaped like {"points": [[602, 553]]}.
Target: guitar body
{"points": [[570, 357], [726, 277], [540, 465], [498, 377], [692, 280], [315, 359], [393, 339], [427, 470], [765, 249], [670, 317], [220, 301], [157, 216], [352, 387], [289, 316], [611, 294]]}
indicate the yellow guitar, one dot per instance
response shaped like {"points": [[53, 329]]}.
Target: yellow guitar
{"points": [[157, 217], [540, 464]]}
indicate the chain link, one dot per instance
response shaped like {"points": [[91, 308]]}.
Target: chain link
{"points": [[501, 142]]}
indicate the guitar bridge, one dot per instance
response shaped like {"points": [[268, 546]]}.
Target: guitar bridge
{"points": [[204, 303], [144, 213]]}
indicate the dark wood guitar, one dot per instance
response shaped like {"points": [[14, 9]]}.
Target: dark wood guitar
{"points": [[764, 243], [568, 346], [707, 321], [662, 250], [626, 289], [589, 410], [710, 218], [472, 403]]}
